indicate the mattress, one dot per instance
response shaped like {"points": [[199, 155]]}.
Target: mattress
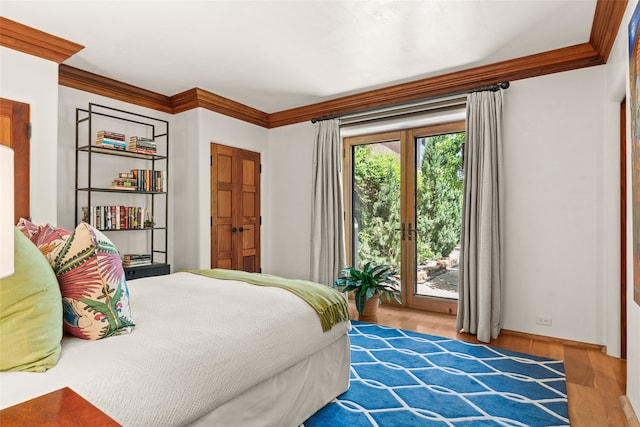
{"points": [[198, 344]]}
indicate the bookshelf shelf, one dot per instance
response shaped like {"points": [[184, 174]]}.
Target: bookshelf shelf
{"points": [[113, 190], [122, 153], [107, 138]]}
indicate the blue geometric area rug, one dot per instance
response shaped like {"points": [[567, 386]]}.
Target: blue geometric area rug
{"points": [[404, 378]]}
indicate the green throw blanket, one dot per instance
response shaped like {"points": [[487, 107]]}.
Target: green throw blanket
{"points": [[330, 304]]}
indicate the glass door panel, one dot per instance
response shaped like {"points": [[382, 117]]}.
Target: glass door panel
{"points": [[438, 212], [376, 176]]}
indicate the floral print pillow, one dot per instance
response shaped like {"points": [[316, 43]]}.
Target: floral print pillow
{"points": [[47, 238], [95, 296]]}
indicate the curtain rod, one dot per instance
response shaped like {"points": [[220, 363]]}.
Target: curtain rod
{"points": [[493, 88]]}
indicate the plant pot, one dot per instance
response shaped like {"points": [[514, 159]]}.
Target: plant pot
{"points": [[370, 311]]}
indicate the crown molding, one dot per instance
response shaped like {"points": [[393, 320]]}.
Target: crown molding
{"points": [[26, 39], [100, 85], [554, 61], [197, 97], [606, 23]]}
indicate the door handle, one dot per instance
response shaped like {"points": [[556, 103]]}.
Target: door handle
{"points": [[241, 229], [233, 229], [412, 230], [401, 229]]}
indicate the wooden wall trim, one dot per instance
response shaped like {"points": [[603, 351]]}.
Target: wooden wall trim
{"points": [[26, 39], [623, 229], [197, 97], [554, 61], [629, 413], [606, 23], [579, 344], [95, 83]]}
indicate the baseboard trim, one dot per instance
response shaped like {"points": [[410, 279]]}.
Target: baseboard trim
{"points": [[629, 413], [554, 340]]}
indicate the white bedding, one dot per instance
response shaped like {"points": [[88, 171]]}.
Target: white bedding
{"points": [[198, 343]]}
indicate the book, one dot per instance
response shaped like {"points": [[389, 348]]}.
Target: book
{"points": [[149, 180], [110, 143], [132, 260], [141, 144], [135, 263], [117, 217], [110, 139], [125, 181], [111, 135]]}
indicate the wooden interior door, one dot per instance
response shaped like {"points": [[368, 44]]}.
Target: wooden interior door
{"points": [[235, 208], [14, 133]]}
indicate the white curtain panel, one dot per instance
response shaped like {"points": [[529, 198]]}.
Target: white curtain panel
{"points": [[327, 213], [480, 287]]}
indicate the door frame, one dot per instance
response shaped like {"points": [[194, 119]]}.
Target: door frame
{"points": [[623, 229], [18, 138], [407, 138]]}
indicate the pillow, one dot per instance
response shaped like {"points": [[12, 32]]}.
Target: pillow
{"points": [[47, 238], [30, 312], [27, 227], [95, 297]]}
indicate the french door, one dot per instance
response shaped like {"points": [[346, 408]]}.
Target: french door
{"points": [[235, 208], [403, 197]]}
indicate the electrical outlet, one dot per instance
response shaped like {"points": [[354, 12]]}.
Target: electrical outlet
{"points": [[543, 320]]}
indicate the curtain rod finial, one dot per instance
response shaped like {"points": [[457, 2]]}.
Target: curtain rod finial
{"points": [[504, 85]]}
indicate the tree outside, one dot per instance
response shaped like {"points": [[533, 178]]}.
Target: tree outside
{"points": [[376, 203], [376, 199], [439, 195]]}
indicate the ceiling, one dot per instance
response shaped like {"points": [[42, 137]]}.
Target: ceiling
{"points": [[277, 55]]}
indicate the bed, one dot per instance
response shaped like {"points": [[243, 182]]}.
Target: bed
{"points": [[204, 351]]}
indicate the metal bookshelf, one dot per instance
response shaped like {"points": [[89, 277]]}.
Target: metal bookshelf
{"points": [[88, 153]]}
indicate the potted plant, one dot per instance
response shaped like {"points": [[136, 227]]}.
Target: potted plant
{"points": [[368, 286]]}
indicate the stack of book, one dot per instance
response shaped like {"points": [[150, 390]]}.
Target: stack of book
{"points": [[108, 139], [135, 260], [139, 144], [124, 181]]}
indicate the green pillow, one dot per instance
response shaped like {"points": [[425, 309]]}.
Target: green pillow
{"points": [[30, 312]]}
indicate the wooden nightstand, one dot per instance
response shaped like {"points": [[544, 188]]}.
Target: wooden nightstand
{"points": [[62, 407]]}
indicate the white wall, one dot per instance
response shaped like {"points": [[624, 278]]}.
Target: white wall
{"points": [[34, 81], [105, 168], [191, 133], [557, 263], [191, 243], [554, 174], [289, 222], [197, 129]]}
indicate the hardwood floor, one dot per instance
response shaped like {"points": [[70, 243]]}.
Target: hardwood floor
{"points": [[594, 380]]}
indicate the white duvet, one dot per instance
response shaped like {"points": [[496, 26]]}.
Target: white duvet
{"points": [[198, 342]]}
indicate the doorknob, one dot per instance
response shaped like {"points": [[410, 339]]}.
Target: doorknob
{"points": [[242, 229], [233, 229]]}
